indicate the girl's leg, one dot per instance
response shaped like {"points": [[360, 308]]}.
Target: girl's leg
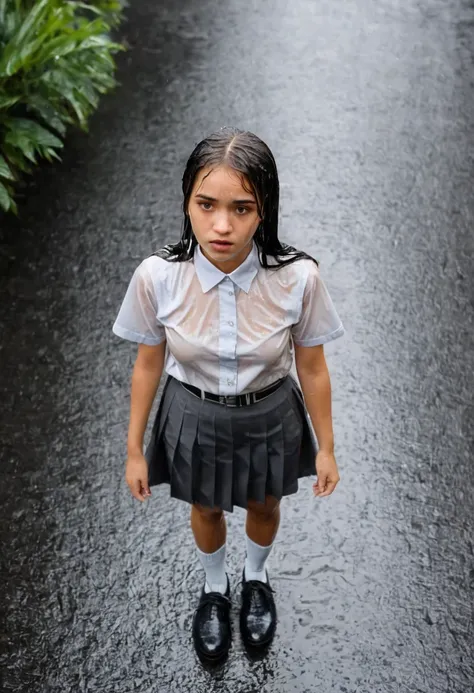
{"points": [[258, 612], [263, 520], [209, 529], [211, 621]]}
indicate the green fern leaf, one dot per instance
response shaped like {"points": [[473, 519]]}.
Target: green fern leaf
{"points": [[5, 199], [5, 169]]}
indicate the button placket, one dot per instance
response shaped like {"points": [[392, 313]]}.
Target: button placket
{"points": [[227, 339]]}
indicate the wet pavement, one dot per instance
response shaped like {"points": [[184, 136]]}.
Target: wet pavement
{"points": [[369, 109]]}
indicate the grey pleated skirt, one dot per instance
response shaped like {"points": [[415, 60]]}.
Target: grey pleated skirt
{"points": [[221, 456]]}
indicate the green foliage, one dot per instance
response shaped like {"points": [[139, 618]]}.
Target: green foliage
{"points": [[56, 59]]}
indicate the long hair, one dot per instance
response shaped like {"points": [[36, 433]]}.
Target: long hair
{"points": [[249, 155]]}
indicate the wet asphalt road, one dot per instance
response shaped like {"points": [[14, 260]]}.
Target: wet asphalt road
{"points": [[369, 109]]}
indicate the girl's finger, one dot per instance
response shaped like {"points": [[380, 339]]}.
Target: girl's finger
{"points": [[135, 489], [329, 490], [145, 492], [323, 481]]}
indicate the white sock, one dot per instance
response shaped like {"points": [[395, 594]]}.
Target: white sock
{"points": [[214, 567], [255, 560]]}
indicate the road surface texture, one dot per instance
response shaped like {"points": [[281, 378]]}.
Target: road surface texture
{"points": [[368, 106]]}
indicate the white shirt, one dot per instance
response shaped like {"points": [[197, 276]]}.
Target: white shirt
{"points": [[227, 333]]}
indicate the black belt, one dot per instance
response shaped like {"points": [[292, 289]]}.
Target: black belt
{"points": [[234, 400]]}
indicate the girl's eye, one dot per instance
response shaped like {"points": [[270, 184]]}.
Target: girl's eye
{"points": [[205, 205], [241, 210]]}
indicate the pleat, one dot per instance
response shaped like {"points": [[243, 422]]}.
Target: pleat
{"points": [[223, 461], [158, 419], [183, 458], [170, 424], [308, 445], [170, 439], [292, 432], [158, 469], [167, 399], [204, 472], [257, 480], [241, 459], [276, 453]]}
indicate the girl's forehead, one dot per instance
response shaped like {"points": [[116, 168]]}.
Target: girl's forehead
{"points": [[222, 179]]}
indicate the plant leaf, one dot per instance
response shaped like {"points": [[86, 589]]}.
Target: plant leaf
{"points": [[5, 199], [50, 154], [29, 129], [52, 118], [8, 101], [32, 20], [88, 8], [24, 144], [10, 61], [5, 171], [15, 158]]}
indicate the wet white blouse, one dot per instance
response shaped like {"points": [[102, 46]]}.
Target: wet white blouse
{"points": [[227, 334]]}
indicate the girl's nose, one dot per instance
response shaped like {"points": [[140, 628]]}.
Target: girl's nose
{"points": [[222, 223]]}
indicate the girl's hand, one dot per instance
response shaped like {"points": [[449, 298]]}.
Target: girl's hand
{"points": [[136, 476], [327, 473]]}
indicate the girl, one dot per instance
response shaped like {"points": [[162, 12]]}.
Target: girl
{"points": [[223, 312]]}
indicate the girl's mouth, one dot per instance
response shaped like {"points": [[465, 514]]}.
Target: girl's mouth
{"points": [[221, 245]]}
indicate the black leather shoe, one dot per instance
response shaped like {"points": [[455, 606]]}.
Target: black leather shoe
{"points": [[258, 613], [211, 625]]}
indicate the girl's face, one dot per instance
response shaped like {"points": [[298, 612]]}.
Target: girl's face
{"points": [[224, 216]]}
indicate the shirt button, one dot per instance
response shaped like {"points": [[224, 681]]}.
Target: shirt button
{"points": [[230, 382], [231, 293], [231, 323]]}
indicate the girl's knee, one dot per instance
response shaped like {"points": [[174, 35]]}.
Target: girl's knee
{"points": [[267, 509], [210, 514]]}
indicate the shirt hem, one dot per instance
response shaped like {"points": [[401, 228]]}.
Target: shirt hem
{"points": [[321, 340], [136, 337]]}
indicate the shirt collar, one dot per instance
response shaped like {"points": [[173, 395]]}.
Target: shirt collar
{"points": [[209, 276]]}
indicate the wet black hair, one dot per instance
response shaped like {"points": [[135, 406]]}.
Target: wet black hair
{"points": [[249, 155]]}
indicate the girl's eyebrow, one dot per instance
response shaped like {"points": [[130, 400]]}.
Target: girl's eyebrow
{"points": [[237, 202]]}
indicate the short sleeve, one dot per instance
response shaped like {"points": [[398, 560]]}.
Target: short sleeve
{"points": [[319, 322], [137, 318]]}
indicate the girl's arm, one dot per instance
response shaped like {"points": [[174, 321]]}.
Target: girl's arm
{"points": [[146, 377], [315, 383]]}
